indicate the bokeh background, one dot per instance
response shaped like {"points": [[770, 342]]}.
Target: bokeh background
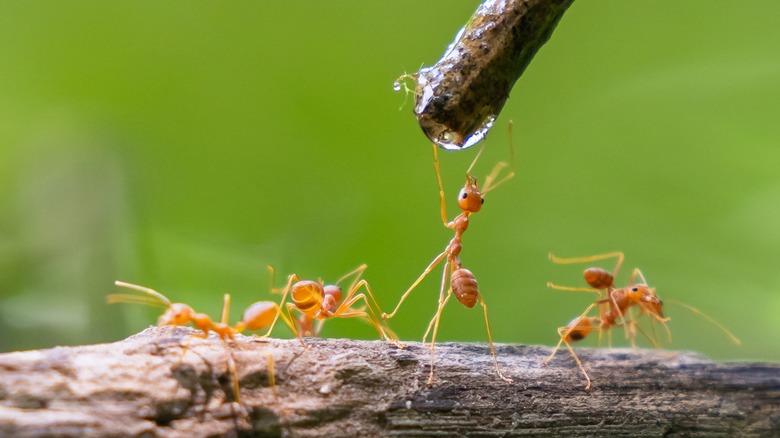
{"points": [[186, 145]]}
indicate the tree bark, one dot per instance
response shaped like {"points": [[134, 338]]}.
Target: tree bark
{"points": [[151, 385]]}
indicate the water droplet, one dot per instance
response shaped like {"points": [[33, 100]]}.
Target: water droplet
{"points": [[396, 86], [455, 141]]}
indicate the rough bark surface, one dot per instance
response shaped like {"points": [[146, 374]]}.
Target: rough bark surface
{"points": [[149, 385]]}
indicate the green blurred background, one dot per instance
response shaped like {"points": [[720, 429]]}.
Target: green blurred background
{"points": [[186, 145]]}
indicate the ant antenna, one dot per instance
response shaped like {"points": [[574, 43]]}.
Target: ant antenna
{"points": [[711, 320], [489, 180], [153, 298]]}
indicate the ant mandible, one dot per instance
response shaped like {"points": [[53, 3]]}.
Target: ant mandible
{"points": [[462, 281], [316, 301]]}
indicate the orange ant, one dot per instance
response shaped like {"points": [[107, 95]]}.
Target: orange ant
{"points": [[613, 305], [462, 281], [256, 317], [316, 301]]}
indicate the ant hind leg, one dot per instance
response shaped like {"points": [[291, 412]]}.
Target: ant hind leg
{"points": [[490, 341]]}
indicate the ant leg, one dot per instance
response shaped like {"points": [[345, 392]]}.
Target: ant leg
{"points": [[441, 186], [318, 329], [436, 318], [357, 272], [442, 299], [225, 309], [636, 273], [565, 261], [574, 289], [490, 341], [298, 334], [231, 367], [289, 307], [351, 299], [272, 277], [286, 291], [654, 316], [272, 378], [563, 333], [579, 363], [622, 317], [425, 273], [653, 339], [384, 332], [567, 331], [561, 336]]}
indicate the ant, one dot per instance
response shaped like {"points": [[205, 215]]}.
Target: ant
{"points": [[614, 304], [462, 281], [317, 301], [256, 317]]}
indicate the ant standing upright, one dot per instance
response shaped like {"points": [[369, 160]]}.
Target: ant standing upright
{"points": [[462, 282]]}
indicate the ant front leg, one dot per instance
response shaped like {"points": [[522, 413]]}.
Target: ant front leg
{"points": [[610, 255], [350, 301], [357, 273], [292, 278], [289, 307], [425, 273], [441, 186], [634, 274], [552, 285]]}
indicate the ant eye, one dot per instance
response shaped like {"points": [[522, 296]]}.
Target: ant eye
{"points": [[482, 200], [634, 289], [463, 195]]}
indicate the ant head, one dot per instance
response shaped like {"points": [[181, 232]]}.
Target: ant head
{"points": [[177, 314], [332, 297], [648, 300], [652, 304], [470, 198], [333, 291]]}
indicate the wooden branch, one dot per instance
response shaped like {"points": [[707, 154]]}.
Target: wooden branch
{"points": [[148, 385]]}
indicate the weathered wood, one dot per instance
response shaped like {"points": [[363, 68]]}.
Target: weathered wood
{"points": [[144, 385]]}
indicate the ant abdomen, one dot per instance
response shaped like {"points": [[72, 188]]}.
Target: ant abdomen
{"points": [[308, 296], [258, 316], [581, 327], [599, 278], [464, 286]]}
